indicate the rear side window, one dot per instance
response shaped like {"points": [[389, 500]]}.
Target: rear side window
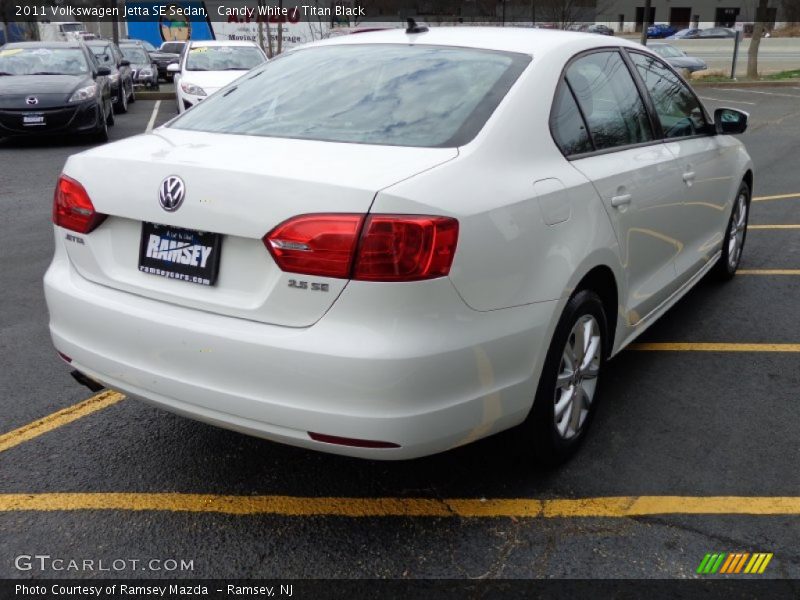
{"points": [[679, 111], [567, 125], [400, 95], [609, 100]]}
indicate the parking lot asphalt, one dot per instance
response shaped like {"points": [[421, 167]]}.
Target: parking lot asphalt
{"points": [[694, 449]]}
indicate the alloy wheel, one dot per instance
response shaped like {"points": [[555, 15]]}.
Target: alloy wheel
{"points": [[577, 377], [737, 231]]}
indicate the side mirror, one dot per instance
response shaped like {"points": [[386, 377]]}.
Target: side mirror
{"points": [[125, 63], [730, 121], [103, 71], [173, 68]]}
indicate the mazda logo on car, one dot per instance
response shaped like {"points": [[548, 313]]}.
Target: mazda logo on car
{"points": [[31, 100], [171, 193]]}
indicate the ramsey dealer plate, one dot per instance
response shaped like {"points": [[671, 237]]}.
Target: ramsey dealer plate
{"points": [[33, 119], [180, 253]]}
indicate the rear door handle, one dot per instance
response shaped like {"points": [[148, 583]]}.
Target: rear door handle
{"points": [[621, 200], [688, 176]]}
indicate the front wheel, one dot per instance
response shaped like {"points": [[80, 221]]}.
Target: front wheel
{"points": [[101, 133], [568, 387], [110, 115], [735, 235], [122, 102]]}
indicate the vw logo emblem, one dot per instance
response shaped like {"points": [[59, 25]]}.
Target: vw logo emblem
{"points": [[31, 100], [171, 193]]}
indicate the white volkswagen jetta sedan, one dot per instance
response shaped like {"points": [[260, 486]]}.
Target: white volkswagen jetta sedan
{"points": [[390, 244], [207, 66]]}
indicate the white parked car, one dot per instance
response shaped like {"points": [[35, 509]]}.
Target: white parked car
{"points": [[390, 244], [207, 66]]}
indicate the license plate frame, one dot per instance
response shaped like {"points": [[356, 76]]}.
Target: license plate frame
{"points": [[178, 253]]}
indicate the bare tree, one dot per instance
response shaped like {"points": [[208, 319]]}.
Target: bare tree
{"points": [[317, 29], [280, 29], [758, 31], [563, 13]]}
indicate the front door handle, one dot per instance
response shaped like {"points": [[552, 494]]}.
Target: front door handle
{"points": [[620, 200], [689, 176]]}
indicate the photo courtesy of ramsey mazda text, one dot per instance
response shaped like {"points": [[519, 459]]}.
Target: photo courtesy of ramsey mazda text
{"points": [[391, 244]]}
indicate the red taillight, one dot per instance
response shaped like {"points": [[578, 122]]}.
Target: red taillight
{"points": [[375, 248], [406, 248], [315, 244], [72, 208]]}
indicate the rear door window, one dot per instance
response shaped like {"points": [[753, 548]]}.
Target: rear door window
{"points": [[609, 100], [567, 124]]}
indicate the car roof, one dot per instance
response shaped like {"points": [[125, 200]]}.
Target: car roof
{"points": [[524, 40], [44, 45], [199, 43]]}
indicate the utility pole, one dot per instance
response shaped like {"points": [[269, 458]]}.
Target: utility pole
{"points": [[645, 21], [115, 22]]}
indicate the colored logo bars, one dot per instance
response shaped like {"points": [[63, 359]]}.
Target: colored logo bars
{"points": [[734, 563]]}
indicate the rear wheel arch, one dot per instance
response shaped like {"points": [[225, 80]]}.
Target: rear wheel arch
{"points": [[602, 281], [748, 179]]}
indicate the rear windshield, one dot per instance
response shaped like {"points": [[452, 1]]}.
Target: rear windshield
{"points": [[666, 51], [425, 96], [135, 54], [172, 47]]}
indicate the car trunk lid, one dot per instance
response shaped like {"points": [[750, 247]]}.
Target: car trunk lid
{"points": [[240, 187]]}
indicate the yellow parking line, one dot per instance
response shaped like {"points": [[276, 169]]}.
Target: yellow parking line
{"points": [[773, 227], [58, 419], [712, 347], [778, 197], [608, 507], [768, 272]]}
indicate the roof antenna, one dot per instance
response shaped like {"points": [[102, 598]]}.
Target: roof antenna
{"points": [[414, 28]]}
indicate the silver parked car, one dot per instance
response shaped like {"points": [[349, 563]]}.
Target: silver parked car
{"points": [[678, 58]]}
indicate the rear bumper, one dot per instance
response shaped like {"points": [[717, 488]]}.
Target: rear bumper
{"points": [[376, 367]]}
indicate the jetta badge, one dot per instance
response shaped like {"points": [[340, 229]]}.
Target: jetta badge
{"points": [[171, 193], [31, 100]]}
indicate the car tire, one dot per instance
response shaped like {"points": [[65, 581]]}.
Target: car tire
{"points": [[122, 103], [735, 235], [101, 135], [110, 120], [566, 398]]}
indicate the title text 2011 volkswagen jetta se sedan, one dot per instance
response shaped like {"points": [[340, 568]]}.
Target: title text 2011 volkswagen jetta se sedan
{"points": [[390, 244]]}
